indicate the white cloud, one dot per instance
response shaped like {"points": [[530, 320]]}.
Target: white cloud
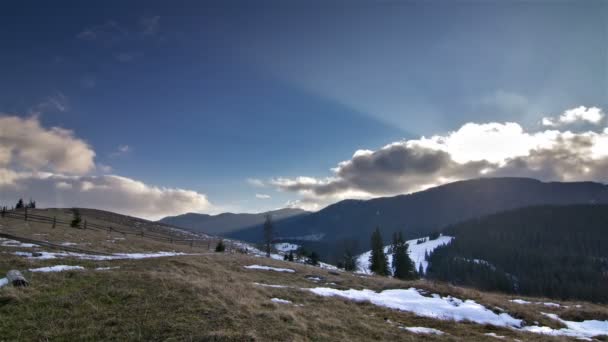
{"points": [[121, 150], [255, 182], [53, 167], [24, 143], [474, 150], [582, 114], [262, 196], [107, 192]]}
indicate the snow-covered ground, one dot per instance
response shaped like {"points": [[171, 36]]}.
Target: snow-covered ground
{"points": [[423, 330], [3, 282], [524, 302], [280, 301], [14, 243], [56, 268], [445, 308], [83, 256], [416, 252], [450, 308], [268, 268], [582, 330], [286, 247]]}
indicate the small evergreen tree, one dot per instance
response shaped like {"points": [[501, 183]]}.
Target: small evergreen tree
{"points": [[377, 259], [220, 247], [268, 234], [420, 271], [350, 260], [290, 257], [19, 204], [31, 204], [313, 259], [3, 211], [76, 219], [403, 266]]}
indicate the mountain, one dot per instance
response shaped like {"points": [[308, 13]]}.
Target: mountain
{"points": [[227, 222], [552, 251], [421, 213]]}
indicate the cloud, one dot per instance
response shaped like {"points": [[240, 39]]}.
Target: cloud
{"points": [[504, 100], [24, 143], [262, 196], [53, 167], [474, 150], [107, 31], [107, 192], [121, 150], [255, 182], [582, 114], [56, 102]]}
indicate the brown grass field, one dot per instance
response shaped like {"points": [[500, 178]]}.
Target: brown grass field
{"points": [[212, 297]]}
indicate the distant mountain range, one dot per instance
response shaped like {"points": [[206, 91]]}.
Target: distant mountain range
{"points": [[225, 223], [423, 212], [418, 214]]}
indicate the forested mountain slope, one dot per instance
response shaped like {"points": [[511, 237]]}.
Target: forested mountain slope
{"points": [[553, 251]]}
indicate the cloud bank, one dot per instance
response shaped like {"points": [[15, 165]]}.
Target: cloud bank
{"points": [[53, 167], [474, 150]]}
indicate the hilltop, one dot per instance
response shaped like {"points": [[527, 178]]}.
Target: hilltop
{"points": [[190, 293]]}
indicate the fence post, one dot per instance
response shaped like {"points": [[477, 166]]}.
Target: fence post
{"points": [[25, 214], [142, 233], [54, 221], [85, 224]]}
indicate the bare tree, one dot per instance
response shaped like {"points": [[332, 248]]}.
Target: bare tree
{"points": [[268, 234]]}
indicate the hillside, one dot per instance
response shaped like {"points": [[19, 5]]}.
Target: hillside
{"points": [[227, 222], [423, 212], [129, 290], [554, 251]]}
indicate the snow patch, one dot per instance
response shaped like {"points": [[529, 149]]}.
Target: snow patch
{"points": [[445, 308], [286, 247], [82, 256], [494, 335], [280, 301], [14, 243], [3, 282], [270, 285], [268, 268], [106, 268], [56, 268], [584, 329], [423, 330], [415, 250]]}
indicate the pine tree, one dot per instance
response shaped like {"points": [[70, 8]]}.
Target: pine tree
{"points": [[420, 271], [290, 257], [20, 204], [75, 218], [377, 259], [313, 259], [403, 266], [220, 247], [268, 234], [350, 260], [31, 204]]}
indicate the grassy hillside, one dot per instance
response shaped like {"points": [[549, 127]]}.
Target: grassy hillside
{"points": [[555, 251], [208, 296]]}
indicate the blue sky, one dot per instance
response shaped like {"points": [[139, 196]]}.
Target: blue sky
{"points": [[206, 95]]}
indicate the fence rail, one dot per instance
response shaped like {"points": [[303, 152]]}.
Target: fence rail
{"points": [[27, 216]]}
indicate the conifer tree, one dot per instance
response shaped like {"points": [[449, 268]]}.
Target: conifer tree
{"points": [[220, 247], [377, 259], [268, 234], [403, 266], [75, 218], [20, 204], [290, 257], [313, 259]]}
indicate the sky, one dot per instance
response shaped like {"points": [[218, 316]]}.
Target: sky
{"points": [[152, 109]]}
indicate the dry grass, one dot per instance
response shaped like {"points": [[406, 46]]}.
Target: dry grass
{"points": [[212, 297]]}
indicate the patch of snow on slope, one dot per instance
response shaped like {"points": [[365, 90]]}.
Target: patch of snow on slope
{"points": [[270, 285], [286, 247], [280, 301], [82, 256], [3, 282], [416, 252], [584, 329], [14, 243], [445, 308], [494, 335], [423, 330], [56, 268], [268, 268]]}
